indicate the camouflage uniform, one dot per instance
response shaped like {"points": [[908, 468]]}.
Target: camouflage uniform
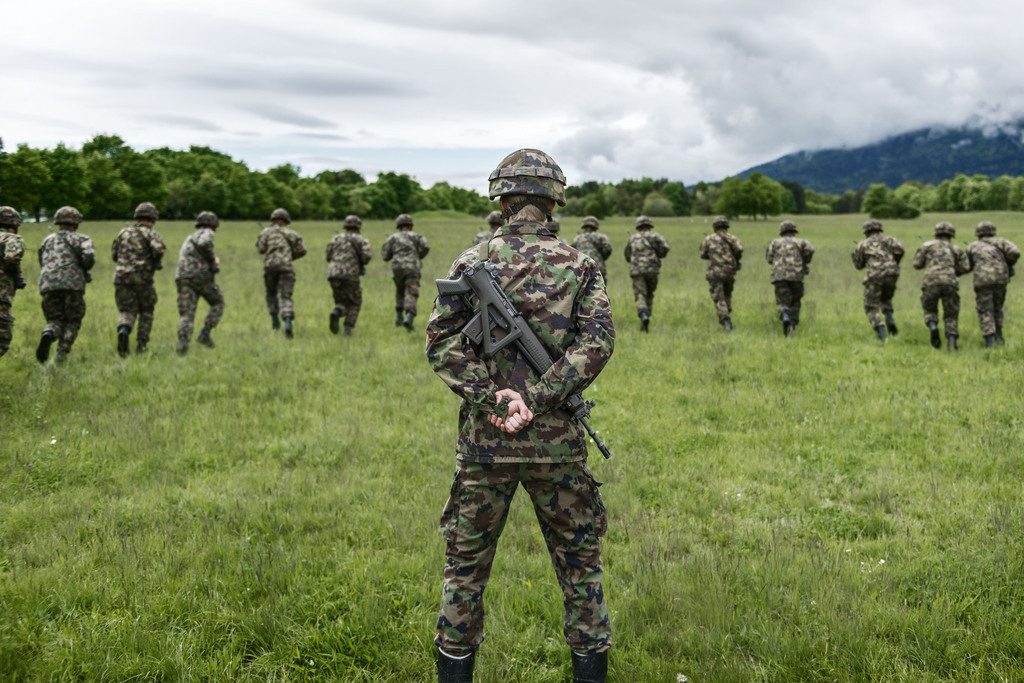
{"points": [[12, 249], [138, 251], [789, 257], [495, 220], [723, 251], [404, 249], [65, 259], [195, 277], [644, 252], [594, 244], [943, 262], [347, 256], [991, 258], [553, 226], [562, 295], [280, 245], [879, 255]]}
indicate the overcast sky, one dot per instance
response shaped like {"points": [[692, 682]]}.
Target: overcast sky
{"points": [[443, 90]]}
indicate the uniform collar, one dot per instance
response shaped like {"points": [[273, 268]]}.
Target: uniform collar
{"points": [[524, 228]]}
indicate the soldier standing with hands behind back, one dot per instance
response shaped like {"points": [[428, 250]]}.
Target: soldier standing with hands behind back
{"points": [[138, 251], [65, 259], [280, 245], [943, 263], [992, 259], [195, 277], [723, 251], [880, 255], [12, 249], [347, 256], [404, 249], [789, 257]]}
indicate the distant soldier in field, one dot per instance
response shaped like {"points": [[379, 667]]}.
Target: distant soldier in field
{"points": [[347, 256], [790, 257], [494, 220], [594, 244], [12, 249], [65, 259], [280, 245], [723, 251], [195, 277], [404, 249], [943, 263], [644, 252], [138, 252], [992, 259], [880, 255], [553, 226]]}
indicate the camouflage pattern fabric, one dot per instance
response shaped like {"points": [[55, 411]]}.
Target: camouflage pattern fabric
{"points": [[347, 255], [878, 294], [644, 252], [596, 245], [136, 251], [64, 258], [572, 519], [789, 256], [943, 262], [643, 292], [63, 310], [12, 249], [280, 246], [196, 258], [189, 291], [348, 298], [136, 300], [879, 256], [721, 295], [990, 259], [404, 249], [280, 287], [407, 290], [723, 251], [6, 329], [483, 236], [949, 295], [989, 301], [788, 295]]}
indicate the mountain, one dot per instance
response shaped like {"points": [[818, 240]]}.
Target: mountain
{"points": [[929, 155]]}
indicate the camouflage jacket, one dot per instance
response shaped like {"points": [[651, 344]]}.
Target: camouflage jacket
{"points": [[196, 258], [404, 249], [347, 253], [942, 261], [64, 258], [562, 295], [991, 259], [136, 250], [644, 252], [724, 251], [880, 254], [280, 246], [789, 257], [12, 248], [594, 244]]}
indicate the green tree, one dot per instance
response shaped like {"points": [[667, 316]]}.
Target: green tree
{"points": [[108, 195], [209, 193], [67, 184], [766, 195], [656, 204], [23, 179], [286, 174], [680, 198], [735, 199]]}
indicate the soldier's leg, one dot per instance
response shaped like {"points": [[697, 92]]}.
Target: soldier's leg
{"points": [[6, 328], [652, 286], [471, 524], [353, 302], [951, 310], [717, 290], [399, 278], [74, 312], [930, 304], [211, 292], [127, 305], [998, 300], [53, 309], [873, 303], [727, 287], [782, 299], [412, 292], [640, 294], [270, 284], [147, 305], [797, 297], [285, 291], [188, 299], [984, 301]]}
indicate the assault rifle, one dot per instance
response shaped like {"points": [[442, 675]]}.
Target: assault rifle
{"points": [[496, 312]]}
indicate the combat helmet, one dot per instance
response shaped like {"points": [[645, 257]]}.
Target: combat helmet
{"points": [[146, 212], [67, 215], [9, 218], [985, 229], [871, 226], [494, 219], [553, 226], [945, 228], [720, 222], [590, 223], [787, 227], [528, 171], [403, 220], [644, 222], [207, 219], [280, 215], [352, 222]]}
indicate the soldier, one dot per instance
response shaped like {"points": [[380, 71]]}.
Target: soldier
{"points": [[553, 226], [723, 251], [404, 249], [280, 245], [943, 262], [790, 257], [65, 259], [138, 251], [881, 255], [561, 293], [494, 220], [12, 248], [594, 244], [644, 252], [992, 259], [347, 256], [197, 268]]}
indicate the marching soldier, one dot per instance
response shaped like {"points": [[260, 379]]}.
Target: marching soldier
{"points": [[992, 259], [880, 255], [790, 257], [723, 251], [594, 244], [195, 277], [12, 249], [347, 256], [943, 263], [280, 246], [65, 259], [404, 249], [644, 252], [138, 251]]}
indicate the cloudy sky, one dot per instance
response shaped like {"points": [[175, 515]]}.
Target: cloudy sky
{"points": [[442, 90]]}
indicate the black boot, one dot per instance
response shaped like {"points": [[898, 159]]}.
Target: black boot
{"points": [[43, 350], [398, 317], [182, 346], [891, 324], [335, 317], [204, 337], [787, 325], [727, 325], [140, 346], [408, 320], [275, 323], [645, 321], [348, 330], [999, 335], [288, 332], [122, 340], [951, 342], [936, 340], [881, 332], [990, 341], [453, 670], [591, 667]]}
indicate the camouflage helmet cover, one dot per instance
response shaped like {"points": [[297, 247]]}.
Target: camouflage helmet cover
{"points": [[590, 222], [67, 215], [280, 215], [146, 211], [787, 227], [720, 222], [9, 216], [644, 222], [553, 226], [403, 219], [528, 171], [985, 229], [352, 222], [872, 225], [207, 219], [494, 218], [945, 228]]}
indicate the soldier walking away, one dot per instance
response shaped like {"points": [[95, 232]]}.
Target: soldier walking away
{"points": [[992, 259], [404, 249], [723, 251], [644, 252], [512, 428], [553, 226], [280, 245], [137, 251], [195, 277], [790, 258], [880, 255], [494, 220], [65, 259], [594, 244], [943, 262], [12, 249], [347, 256]]}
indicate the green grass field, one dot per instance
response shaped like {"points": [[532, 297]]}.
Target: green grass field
{"points": [[817, 508]]}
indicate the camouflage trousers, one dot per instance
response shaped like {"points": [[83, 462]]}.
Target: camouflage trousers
{"points": [[878, 299], [407, 290], [721, 294], [788, 295], [572, 520], [189, 292], [280, 286], [643, 291], [348, 298], [989, 303], [950, 297], [136, 300], [6, 327], [63, 310]]}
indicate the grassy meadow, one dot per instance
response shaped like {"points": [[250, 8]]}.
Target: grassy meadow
{"points": [[818, 508]]}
